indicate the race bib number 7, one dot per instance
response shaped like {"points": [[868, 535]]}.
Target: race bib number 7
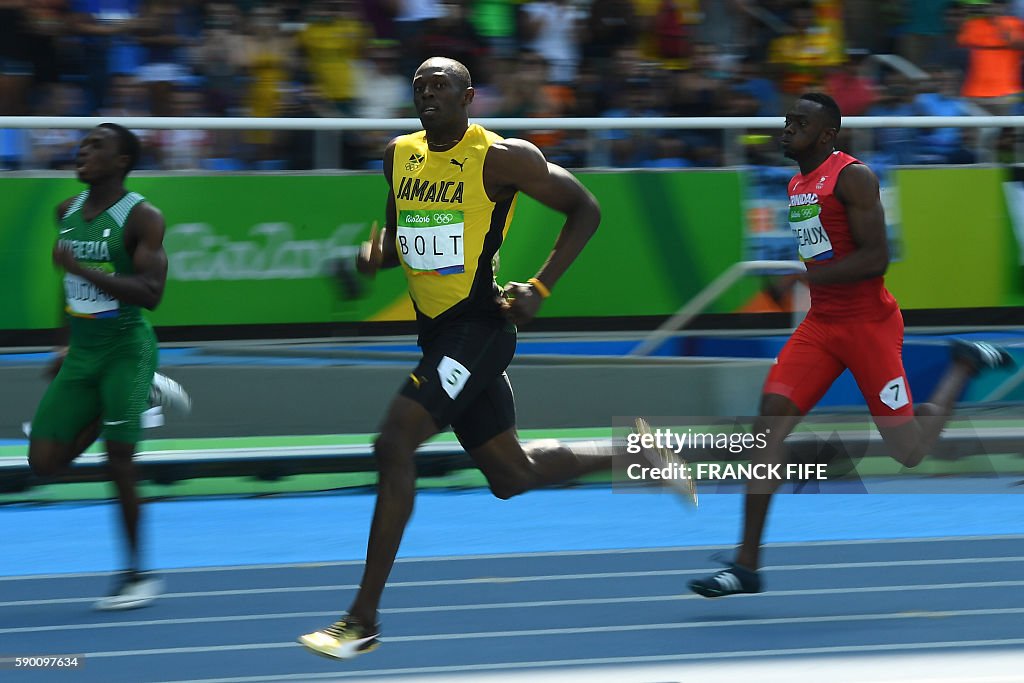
{"points": [[813, 243], [432, 241]]}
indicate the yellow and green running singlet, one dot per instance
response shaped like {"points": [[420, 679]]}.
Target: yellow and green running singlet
{"points": [[448, 228]]}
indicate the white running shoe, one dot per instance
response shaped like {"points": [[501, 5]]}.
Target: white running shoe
{"points": [[344, 639], [134, 590], [153, 417], [167, 393], [662, 457]]}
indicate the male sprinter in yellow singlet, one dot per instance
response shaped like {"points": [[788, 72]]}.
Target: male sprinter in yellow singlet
{"points": [[110, 246], [453, 191]]}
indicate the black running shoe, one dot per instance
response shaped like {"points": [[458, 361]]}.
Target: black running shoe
{"points": [[981, 355], [730, 581]]}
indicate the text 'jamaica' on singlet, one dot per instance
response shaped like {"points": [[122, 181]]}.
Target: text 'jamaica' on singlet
{"points": [[819, 223], [448, 228], [95, 316]]}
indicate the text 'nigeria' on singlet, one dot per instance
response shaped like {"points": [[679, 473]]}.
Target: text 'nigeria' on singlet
{"points": [[819, 223], [94, 315], [448, 228]]}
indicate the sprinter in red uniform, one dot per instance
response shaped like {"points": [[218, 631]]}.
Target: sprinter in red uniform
{"points": [[854, 322]]}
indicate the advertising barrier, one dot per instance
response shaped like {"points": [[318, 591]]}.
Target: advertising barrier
{"points": [[257, 249]]}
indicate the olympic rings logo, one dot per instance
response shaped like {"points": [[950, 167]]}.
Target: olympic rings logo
{"points": [[443, 217]]}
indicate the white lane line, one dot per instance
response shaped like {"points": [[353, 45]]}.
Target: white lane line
{"points": [[556, 553], [601, 629], [900, 663], [485, 580], [579, 602]]}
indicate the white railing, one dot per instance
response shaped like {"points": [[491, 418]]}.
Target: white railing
{"points": [[329, 128], [593, 123]]}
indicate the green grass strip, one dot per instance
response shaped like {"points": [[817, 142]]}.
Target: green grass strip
{"points": [[981, 465], [157, 445]]}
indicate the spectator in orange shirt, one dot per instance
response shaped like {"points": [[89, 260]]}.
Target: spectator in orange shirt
{"points": [[994, 39]]}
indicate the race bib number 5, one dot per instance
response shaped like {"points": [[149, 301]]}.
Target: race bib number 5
{"points": [[432, 240], [86, 299], [812, 240]]}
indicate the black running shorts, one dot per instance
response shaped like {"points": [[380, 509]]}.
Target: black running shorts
{"points": [[461, 379]]}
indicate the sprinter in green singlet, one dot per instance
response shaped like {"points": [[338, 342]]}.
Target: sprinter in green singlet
{"points": [[110, 247], [453, 190]]}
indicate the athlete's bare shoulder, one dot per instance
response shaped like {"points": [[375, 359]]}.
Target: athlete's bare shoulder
{"points": [[145, 223], [514, 151], [511, 164], [856, 182], [145, 213]]}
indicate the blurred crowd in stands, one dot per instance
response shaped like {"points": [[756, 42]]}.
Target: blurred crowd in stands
{"points": [[529, 58]]}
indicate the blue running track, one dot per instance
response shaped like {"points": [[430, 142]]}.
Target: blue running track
{"points": [[549, 580]]}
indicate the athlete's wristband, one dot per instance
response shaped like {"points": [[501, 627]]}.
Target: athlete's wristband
{"points": [[540, 287]]}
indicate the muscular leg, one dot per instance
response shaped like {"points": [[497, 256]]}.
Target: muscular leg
{"points": [[67, 420], [780, 416], [873, 352], [122, 473], [512, 468], [909, 441], [406, 426], [124, 390], [47, 457], [804, 370], [912, 440]]}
